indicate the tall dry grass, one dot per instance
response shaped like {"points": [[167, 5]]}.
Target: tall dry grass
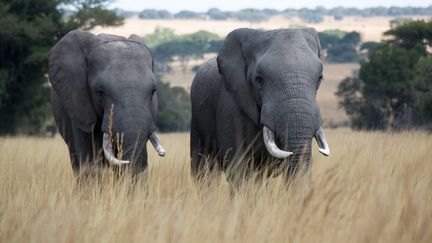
{"points": [[375, 187]]}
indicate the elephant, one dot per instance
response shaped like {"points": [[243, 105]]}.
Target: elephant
{"points": [[104, 89], [254, 106]]}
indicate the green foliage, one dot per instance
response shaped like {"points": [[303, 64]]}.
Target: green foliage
{"points": [[369, 46], [174, 108], [341, 46], [165, 44], [390, 70], [28, 30], [412, 33], [424, 86], [394, 87], [341, 53], [363, 114], [159, 36]]}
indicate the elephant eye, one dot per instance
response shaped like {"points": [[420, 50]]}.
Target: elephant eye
{"points": [[154, 90], [259, 80], [319, 80], [100, 92]]}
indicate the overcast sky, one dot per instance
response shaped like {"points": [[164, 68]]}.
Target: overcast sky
{"points": [[204, 5]]}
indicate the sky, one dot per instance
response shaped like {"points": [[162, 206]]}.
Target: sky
{"points": [[204, 5]]}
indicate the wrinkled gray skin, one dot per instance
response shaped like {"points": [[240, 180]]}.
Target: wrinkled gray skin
{"points": [[91, 73], [259, 78]]}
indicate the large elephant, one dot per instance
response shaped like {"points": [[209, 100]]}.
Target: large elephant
{"points": [[254, 107], [104, 86]]}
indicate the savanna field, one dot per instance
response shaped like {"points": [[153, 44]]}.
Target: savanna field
{"points": [[375, 187]]}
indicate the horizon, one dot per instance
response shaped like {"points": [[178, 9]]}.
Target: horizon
{"points": [[226, 5]]}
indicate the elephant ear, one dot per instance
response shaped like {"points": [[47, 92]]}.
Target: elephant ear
{"points": [[311, 36], [232, 65], [68, 76]]}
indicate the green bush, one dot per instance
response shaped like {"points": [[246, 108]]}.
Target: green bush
{"points": [[174, 106]]}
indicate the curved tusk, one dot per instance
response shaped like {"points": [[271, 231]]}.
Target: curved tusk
{"points": [[322, 142], [157, 145], [271, 146], [108, 153]]}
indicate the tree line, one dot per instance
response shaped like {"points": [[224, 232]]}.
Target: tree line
{"points": [[308, 15]]}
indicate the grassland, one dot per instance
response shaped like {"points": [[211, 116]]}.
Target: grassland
{"points": [[375, 187]]}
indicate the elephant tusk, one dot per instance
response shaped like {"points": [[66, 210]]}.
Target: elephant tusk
{"points": [[322, 142], [157, 145], [271, 146], [108, 153]]}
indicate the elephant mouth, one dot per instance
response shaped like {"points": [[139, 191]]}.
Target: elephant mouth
{"points": [[275, 151], [111, 158]]}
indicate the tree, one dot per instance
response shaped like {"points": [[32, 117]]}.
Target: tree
{"points": [[28, 29], [394, 87], [341, 46], [174, 108], [423, 83], [165, 45], [363, 114], [411, 34]]}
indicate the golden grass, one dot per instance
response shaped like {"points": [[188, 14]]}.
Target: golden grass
{"points": [[375, 187]]}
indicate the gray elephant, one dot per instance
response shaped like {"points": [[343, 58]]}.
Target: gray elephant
{"points": [[254, 108], [103, 86]]}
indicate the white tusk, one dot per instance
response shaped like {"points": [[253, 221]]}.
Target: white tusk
{"points": [[157, 145], [271, 146], [108, 153], [322, 142]]}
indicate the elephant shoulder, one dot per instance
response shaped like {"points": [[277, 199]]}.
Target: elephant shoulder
{"points": [[207, 78], [207, 83]]}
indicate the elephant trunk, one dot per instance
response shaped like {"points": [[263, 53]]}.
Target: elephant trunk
{"points": [[111, 158], [295, 127], [131, 128]]}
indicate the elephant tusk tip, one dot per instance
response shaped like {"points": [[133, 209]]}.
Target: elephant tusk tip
{"points": [[282, 154], [325, 151]]}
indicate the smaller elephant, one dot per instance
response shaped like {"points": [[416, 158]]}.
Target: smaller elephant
{"points": [[102, 86], [254, 107]]}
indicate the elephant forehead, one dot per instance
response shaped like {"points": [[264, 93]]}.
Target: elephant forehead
{"points": [[120, 58], [276, 63]]}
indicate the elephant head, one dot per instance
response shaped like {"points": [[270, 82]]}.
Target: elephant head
{"points": [[274, 76], [106, 82]]}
